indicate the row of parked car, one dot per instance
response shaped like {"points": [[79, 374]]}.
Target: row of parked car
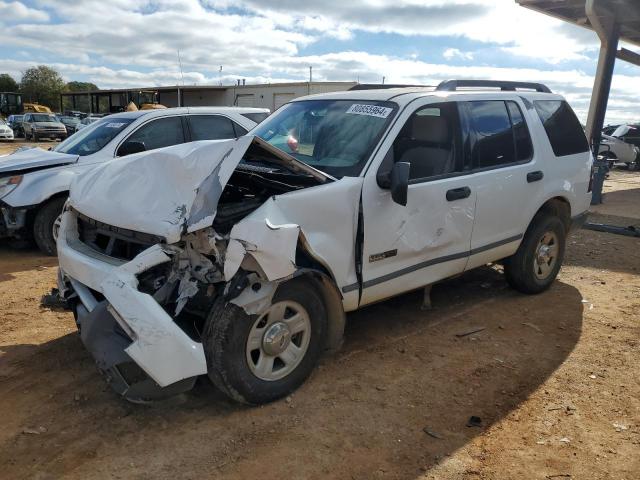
{"points": [[39, 126], [621, 144], [219, 242]]}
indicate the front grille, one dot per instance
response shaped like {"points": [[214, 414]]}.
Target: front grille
{"points": [[113, 241]]}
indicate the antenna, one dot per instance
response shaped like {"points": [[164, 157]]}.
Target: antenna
{"points": [[180, 64]]}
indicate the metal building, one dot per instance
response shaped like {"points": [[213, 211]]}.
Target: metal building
{"points": [[270, 96]]}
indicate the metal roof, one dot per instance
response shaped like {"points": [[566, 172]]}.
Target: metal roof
{"points": [[626, 12]]}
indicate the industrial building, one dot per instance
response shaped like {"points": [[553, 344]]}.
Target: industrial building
{"points": [[270, 96]]}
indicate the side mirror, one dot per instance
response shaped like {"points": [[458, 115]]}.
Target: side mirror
{"points": [[127, 148], [400, 182]]}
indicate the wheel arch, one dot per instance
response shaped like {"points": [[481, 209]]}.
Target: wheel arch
{"points": [[558, 206], [332, 299]]}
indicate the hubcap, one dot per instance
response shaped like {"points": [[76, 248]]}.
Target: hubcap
{"points": [[546, 255], [278, 340], [56, 227]]}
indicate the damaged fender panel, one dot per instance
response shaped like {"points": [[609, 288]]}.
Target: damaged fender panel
{"points": [[325, 216]]}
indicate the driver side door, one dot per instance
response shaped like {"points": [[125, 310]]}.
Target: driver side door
{"points": [[407, 247]]}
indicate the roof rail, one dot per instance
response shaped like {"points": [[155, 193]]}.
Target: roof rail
{"points": [[453, 85], [380, 86]]}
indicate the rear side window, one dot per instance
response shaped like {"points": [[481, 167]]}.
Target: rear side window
{"points": [[159, 133], [210, 127], [562, 126], [256, 117], [493, 144], [524, 147]]}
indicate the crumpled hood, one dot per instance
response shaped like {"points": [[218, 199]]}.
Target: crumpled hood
{"points": [[160, 192], [34, 158]]}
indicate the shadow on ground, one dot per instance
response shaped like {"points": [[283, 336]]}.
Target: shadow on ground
{"points": [[391, 404]]}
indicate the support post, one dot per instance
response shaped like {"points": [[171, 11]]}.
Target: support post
{"points": [[608, 30]]}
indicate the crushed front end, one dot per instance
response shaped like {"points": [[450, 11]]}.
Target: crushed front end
{"points": [[115, 281]]}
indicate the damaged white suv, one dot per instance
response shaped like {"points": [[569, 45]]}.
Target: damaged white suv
{"points": [[239, 258]]}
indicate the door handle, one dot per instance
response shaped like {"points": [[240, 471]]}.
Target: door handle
{"points": [[458, 193], [534, 176]]}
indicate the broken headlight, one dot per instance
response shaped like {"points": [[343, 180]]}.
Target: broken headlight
{"points": [[8, 184]]}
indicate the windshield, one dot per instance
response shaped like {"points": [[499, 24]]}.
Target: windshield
{"points": [[622, 130], [2, 122], [93, 138], [43, 117], [335, 136]]}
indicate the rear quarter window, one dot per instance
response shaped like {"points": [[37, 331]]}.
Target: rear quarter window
{"points": [[562, 126]]}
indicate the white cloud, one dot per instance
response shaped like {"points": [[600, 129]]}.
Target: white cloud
{"points": [[18, 11], [134, 43], [451, 53]]}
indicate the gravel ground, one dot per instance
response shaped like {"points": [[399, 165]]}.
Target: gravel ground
{"points": [[553, 378]]}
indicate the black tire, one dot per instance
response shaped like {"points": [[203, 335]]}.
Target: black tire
{"points": [[520, 269], [225, 338], [43, 225], [35, 137]]}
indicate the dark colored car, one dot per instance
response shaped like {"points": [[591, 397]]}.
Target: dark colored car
{"points": [[70, 123], [15, 122]]}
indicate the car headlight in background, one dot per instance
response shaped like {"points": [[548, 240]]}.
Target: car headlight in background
{"points": [[8, 184]]}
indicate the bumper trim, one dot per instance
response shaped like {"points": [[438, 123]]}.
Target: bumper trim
{"points": [[101, 335]]}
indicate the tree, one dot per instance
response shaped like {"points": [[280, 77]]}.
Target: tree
{"points": [[43, 85], [81, 86], [7, 83]]}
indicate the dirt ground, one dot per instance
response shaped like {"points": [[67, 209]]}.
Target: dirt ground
{"points": [[554, 379]]}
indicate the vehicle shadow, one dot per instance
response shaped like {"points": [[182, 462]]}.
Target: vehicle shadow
{"points": [[392, 403]]}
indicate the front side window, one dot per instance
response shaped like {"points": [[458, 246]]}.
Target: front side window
{"points": [[335, 136], [93, 138], [562, 126], [159, 133], [493, 145], [429, 142], [210, 127]]}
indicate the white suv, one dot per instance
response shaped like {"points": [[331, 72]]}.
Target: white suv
{"points": [[238, 259], [34, 183]]}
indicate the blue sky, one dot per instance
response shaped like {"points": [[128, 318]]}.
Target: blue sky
{"points": [[135, 43]]}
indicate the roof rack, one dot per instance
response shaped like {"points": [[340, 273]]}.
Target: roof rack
{"points": [[453, 85], [381, 86]]}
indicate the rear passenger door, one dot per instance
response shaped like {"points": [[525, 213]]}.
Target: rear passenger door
{"points": [[213, 127], [506, 178]]}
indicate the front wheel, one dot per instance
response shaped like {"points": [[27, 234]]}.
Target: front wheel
{"points": [[256, 359], [536, 263], [46, 225]]}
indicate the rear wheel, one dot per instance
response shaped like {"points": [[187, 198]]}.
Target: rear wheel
{"points": [[256, 359], [535, 265], [46, 225]]}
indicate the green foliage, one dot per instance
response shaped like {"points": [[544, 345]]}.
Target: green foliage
{"points": [[43, 85], [7, 83], [81, 86]]}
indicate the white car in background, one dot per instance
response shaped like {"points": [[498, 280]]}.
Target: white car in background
{"points": [[34, 183], [5, 131], [617, 150]]}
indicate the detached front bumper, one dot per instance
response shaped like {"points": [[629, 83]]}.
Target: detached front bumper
{"points": [[136, 344]]}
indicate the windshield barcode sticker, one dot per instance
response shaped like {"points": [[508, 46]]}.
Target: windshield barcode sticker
{"points": [[370, 110], [114, 125]]}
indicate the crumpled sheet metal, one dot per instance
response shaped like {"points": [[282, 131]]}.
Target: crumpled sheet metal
{"points": [[160, 347], [160, 191], [273, 247], [327, 219]]}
